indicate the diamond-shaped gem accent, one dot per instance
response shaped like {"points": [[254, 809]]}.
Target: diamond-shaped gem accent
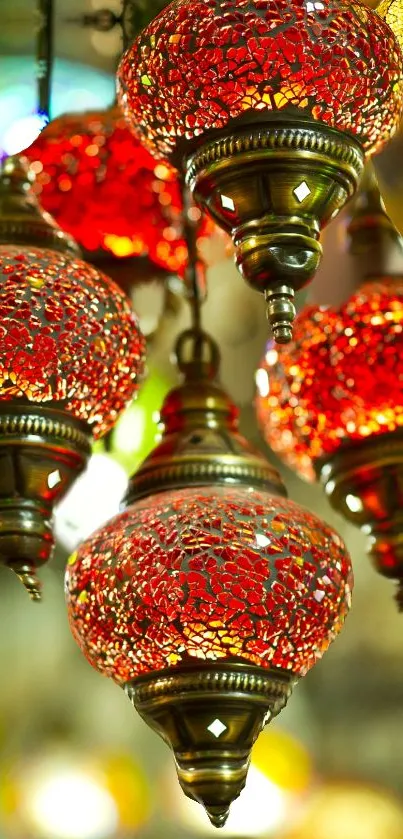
{"points": [[54, 479], [227, 203], [302, 191], [217, 728]]}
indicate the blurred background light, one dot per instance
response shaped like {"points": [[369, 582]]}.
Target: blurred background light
{"points": [[94, 498], [348, 810], [75, 87], [65, 802], [96, 495], [60, 794], [136, 431]]}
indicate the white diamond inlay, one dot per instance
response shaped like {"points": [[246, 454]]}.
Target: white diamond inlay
{"points": [[227, 203], [54, 479], [217, 728], [302, 191]]}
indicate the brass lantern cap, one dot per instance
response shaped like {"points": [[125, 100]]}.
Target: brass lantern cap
{"points": [[22, 219], [273, 187], [200, 443], [210, 714]]}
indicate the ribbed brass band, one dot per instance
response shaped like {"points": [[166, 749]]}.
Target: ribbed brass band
{"points": [[19, 423], [204, 471], [306, 139], [258, 684]]}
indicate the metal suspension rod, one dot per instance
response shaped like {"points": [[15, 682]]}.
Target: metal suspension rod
{"points": [[194, 275], [44, 57]]}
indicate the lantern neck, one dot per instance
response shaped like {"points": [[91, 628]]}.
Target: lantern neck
{"points": [[22, 219], [373, 241], [200, 442]]}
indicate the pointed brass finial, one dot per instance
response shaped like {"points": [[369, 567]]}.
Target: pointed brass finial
{"points": [[22, 219], [281, 313], [218, 815], [31, 582]]}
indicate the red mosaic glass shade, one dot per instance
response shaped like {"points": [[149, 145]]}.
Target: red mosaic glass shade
{"points": [[103, 187], [212, 573], [68, 337], [203, 63], [341, 379]]}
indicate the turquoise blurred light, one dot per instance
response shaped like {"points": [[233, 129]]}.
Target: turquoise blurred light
{"points": [[75, 87]]}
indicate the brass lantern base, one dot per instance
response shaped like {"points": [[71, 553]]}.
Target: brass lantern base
{"points": [[273, 187], [364, 482], [210, 715], [42, 451]]}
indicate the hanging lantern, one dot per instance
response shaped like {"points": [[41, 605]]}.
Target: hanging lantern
{"points": [[269, 107], [122, 206], [211, 594], [331, 404], [70, 357], [108, 192]]}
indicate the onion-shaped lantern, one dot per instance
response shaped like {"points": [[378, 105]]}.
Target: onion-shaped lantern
{"points": [[70, 358], [270, 107], [331, 404], [211, 594]]}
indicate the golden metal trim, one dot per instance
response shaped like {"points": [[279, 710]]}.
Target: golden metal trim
{"points": [[248, 180], [184, 704]]}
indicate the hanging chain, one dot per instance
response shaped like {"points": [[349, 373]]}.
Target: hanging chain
{"points": [[197, 353], [44, 56]]}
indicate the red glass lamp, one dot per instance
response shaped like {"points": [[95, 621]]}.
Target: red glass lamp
{"points": [[211, 594], [269, 106], [105, 189], [70, 357], [331, 404]]}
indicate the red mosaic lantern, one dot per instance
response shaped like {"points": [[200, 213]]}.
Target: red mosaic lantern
{"points": [[70, 357], [210, 595], [340, 380], [55, 312], [270, 107], [107, 191], [331, 404]]}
